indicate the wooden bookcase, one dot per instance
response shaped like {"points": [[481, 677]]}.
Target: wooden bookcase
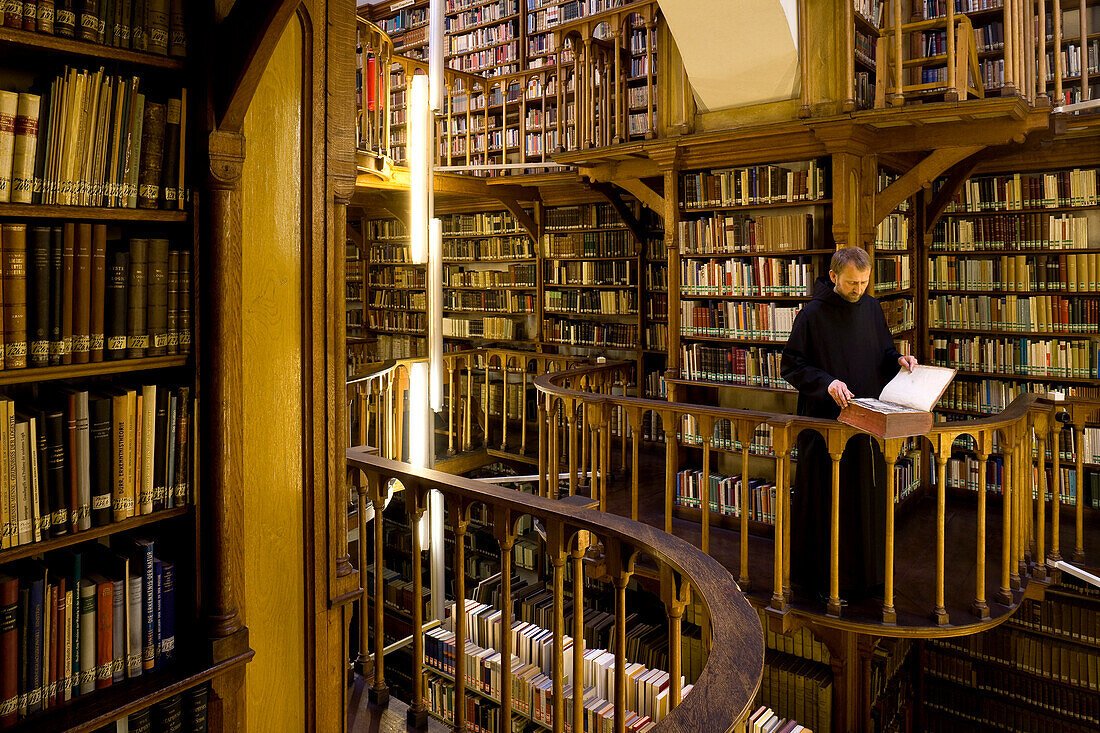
{"points": [[394, 292], [29, 61]]}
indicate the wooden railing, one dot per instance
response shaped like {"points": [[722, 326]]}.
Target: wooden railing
{"points": [[959, 64], [722, 692], [1030, 424]]}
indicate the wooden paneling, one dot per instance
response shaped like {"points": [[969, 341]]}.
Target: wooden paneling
{"points": [[273, 596]]}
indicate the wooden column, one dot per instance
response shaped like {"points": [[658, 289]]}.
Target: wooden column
{"points": [[416, 714], [835, 452], [557, 669], [889, 614], [1039, 571], [1020, 497], [744, 434], [898, 98], [671, 464], [1056, 13], [651, 83], [980, 608], [943, 452], [506, 538], [543, 447], [586, 115], [379, 692], [450, 409], [618, 80], [363, 659], [1056, 507], [1079, 432], [459, 524], [605, 451], [1007, 485], [1009, 50], [620, 580], [1083, 51], [571, 429], [635, 419], [337, 373], [706, 428], [578, 633], [467, 438], [1041, 47]]}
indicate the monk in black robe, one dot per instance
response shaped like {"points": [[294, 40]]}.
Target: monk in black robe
{"points": [[839, 348]]}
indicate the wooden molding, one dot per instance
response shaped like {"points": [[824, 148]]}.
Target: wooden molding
{"points": [[524, 219], [919, 176], [643, 192], [608, 191]]}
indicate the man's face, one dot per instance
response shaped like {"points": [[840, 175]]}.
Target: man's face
{"points": [[850, 282]]}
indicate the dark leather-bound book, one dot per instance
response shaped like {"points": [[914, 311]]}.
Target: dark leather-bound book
{"points": [[126, 29], [14, 238], [89, 20], [141, 721], [68, 270], [101, 473], [157, 297], [55, 473], [185, 302], [33, 579], [173, 302], [30, 15], [82, 294], [157, 24], [57, 283], [117, 290], [104, 625], [137, 331], [38, 297], [13, 13], [9, 650], [64, 18], [160, 449], [181, 471], [194, 709], [169, 178], [152, 155], [139, 35], [96, 292]]}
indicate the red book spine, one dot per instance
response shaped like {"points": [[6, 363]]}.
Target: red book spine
{"points": [[369, 81], [104, 640], [9, 652]]}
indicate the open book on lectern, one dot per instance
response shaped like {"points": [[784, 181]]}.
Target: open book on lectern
{"points": [[904, 407]]}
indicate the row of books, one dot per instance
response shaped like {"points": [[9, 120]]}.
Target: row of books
{"points": [[994, 395], [1022, 356], [657, 306], [93, 140], [82, 620], [154, 26], [892, 272], [725, 495], [1030, 313], [898, 313], [494, 248], [70, 296], [399, 277], [1072, 617], [725, 436], [597, 272], [1075, 273], [582, 217], [515, 276], [1011, 231], [183, 712], [587, 333], [589, 244], [754, 366], [656, 336], [491, 35], [500, 301], [388, 252], [797, 689], [383, 320], [1074, 58], [766, 720], [399, 347], [938, 8], [399, 299], [758, 184], [737, 233], [736, 319], [489, 328], [611, 302], [892, 232], [656, 276], [388, 229], [758, 276], [1076, 187], [1041, 695]]}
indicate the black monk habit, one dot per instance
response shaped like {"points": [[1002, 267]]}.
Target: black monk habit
{"points": [[835, 339]]}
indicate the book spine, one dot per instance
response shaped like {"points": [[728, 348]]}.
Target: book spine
{"points": [[64, 18], [97, 292], [55, 473], [46, 17], [139, 35], [137, 333], [152, 155], [182, 483], [120, 601], [158, 444], [172, 319], [158, 601], [82, 464], [57, 236], [35, 630], [101, 449], [68, 262], [177, 29], [13, 13], [8, 105], [157, 297], [38, 282], [104, 636], [134, 630], [9, 652], [82, 296], [157, 25], [117, 305], [166, 651], [15, 295], [169, 191], [185, 303], [89, 671], [30, 15]]}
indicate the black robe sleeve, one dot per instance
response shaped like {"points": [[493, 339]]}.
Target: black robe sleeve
{"points": [[795, 367]]}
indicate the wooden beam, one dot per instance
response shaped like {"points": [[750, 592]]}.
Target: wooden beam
{"points": [[958, 175], [522, 217], [612, 195], [918, 177], [643, 192]]}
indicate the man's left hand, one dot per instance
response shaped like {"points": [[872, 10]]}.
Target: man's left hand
{"points": [[909, 362]]}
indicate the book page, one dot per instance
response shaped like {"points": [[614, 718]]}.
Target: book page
{"points": [[919, 389], [884, 407]]}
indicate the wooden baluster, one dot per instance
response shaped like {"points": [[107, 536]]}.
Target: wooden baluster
{"points": [[1056, 13], [1041, 49], [506, 538], [578, 631], [450, 409], [376, 401], [595, 482], [835, 453], [554, 457], [651, 82], [450, 119], [399, 414], [1029, 45], [571, 429], [363, 659], [706, 428], [980, 608], [668, 422], [617, 78], [1079, 454], [559, 88], [557, 669], [804, 64], [584, 447], [459, 524], [468, 439], [417, 714], [1007, 485], [523, 413], [899, 95], [605, 469], [1022, 484], [889, 615], [1018, 46], [744, 433], [1082, 50], [635, 462], [1039, 558], [943, 453], [620, 580], [1009, 48], [487, 400], [675, 613], [622, 436], [952, 94], [364, 414], [543, 446], [849, 59], [379, 692], [469, 88], [783, 491], [589, 94], [1056, 470], [504, 410]]}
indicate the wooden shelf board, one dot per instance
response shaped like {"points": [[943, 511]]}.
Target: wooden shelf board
{"points": [[1032, 210], [710, 383], [1021, 332], [553, 286], [593, 258], [1022, 293], [1027, 377], [38, 374], [97, 213], [733, 340], [1008, 251], [483, 24], [780, 253], [752, 207], [788, 298], [482, 289], [29, 40], [56, 543]]}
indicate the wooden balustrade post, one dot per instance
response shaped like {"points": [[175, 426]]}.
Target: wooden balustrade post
{"points": [[651, 83], [571, 430], [744, 433], [578, 633], [889, 614], [618, 78], [506, 538], [620, 579], [704, 488], [588, 112], [980, 608], [487, 400], [543, 449], [557, 669], [459, 524], [783, 502], [1023, 509], [675, 613], [504, 410], [585, 428], [468, 438], [363, 659], [952, 93], [523, 415], [1009, 88], [1079, 454], [1056, 470], [1030, 41], [399, 416], [1041, 48], [833, 605], [849, 103], [605, 452], [1082, 50], [671, 464], [1018, 44], [379, 692], [415, 505], [376, 402], [898, 98], [1021, 485], [554, 457], [450, 409], [622, 436], [1007, 485], [1056, 13], [1039, 570], [943, 452], [635, 461]]}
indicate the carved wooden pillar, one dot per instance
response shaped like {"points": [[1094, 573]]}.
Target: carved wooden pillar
{"points": [[222, 385], [620, 580], [506, 538], [588, 114], [459, 525], [651, 83], [889, 614], [617, 78], [1056, 490], [1007, 486], [943, 453], [1039, 570], [980, 608], [338, 505], [363, 658], [1079, 433], [379, 692], [578, 632], [835, 452], [415, 506]]}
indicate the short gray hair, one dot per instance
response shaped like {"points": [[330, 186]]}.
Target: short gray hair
{"points": [[855, 256]]}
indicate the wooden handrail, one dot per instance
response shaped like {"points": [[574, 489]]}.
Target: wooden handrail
{"points": [[727, 684]]}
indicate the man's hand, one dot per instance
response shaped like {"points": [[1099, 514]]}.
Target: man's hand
{"points": [[909, 362], [840, 393]]}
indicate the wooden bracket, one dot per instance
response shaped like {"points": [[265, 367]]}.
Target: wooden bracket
{"points": [[524, 219], [609, 192], [643, 192], [918, 177], [955, 179]]}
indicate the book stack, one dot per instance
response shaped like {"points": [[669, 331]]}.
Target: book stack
{"points": [[737, 320], [607, 302], [516, 276], [1016, 191], [766, 720], [1078, 273], [153, 26], [593, 216], [94, 140], [1029, 357], [488, 249], [753, 366], [88, 459], [89, 618], [500, 301], [576, 333], [486, 328], [399, 321], [600, 272], [1033, 314], [738, 233], [725, 495], [893, 232], [1011, 232], [759, 184], [589, 244], [761, 276], [892, 273]]}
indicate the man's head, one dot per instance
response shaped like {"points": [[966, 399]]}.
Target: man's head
{"points": [[850, 271]]}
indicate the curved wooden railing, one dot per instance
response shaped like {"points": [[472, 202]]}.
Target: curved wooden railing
{"points": [[568, 400], [723, 691]]}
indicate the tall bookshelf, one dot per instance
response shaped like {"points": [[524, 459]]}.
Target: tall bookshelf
{"points": [[894, 257], [99, 271], [395, 294]]}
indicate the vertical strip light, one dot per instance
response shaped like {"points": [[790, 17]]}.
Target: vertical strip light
{"points": [[435, 53], [419, 168], [435, 315], [418, 414]]}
